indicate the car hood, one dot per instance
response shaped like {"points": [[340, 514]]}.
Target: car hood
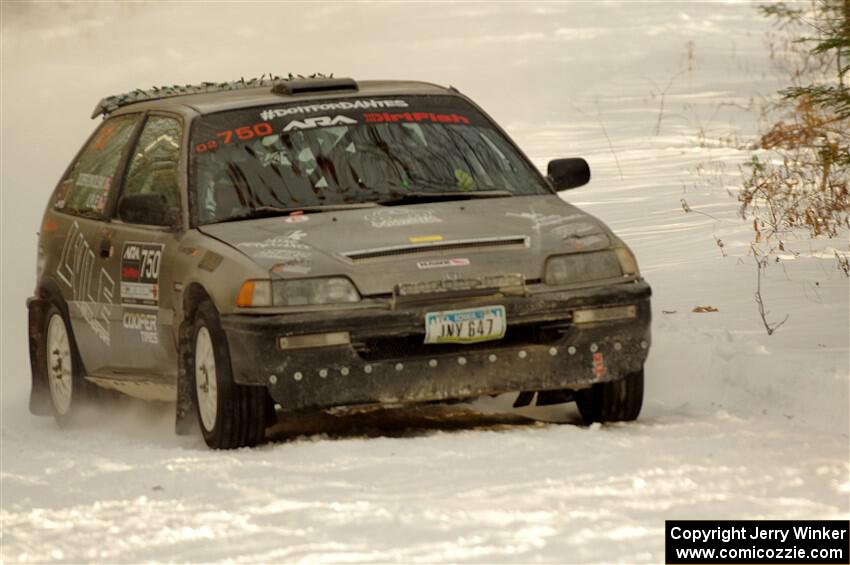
{"points": [[378, 248]]}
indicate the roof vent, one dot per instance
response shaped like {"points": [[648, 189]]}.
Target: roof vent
{"points": [[302, 85]]}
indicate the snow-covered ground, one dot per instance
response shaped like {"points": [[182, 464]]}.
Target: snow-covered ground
{"points": [[736, 423]]}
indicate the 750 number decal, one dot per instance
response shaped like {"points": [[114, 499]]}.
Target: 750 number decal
{"points": [[226, 137], [140, 264]]}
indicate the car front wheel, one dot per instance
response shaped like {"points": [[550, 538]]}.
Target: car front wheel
{"points": [[612, 401], [231, 415]]}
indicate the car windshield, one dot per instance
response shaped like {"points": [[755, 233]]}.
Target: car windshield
{"points": [[352, 151]]}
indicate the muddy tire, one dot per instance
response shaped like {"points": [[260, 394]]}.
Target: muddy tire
{"points": [[230, 415], [67, 388], [614, 401]]}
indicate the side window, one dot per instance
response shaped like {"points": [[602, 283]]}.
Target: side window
{"points": [[153, 168], [85, 188]]}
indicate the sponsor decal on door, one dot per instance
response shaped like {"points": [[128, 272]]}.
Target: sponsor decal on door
{"points": [[144, 322], [91, 289], [140, 264]]}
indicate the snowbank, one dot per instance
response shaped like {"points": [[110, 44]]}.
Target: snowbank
{"points": [[737, 424]]}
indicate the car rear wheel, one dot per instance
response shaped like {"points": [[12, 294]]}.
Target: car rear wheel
{"points": [[231, 415], [613, 401], [62, 367]]}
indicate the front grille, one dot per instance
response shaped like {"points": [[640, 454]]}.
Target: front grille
{"points": [[401, 347], [506, 242]]}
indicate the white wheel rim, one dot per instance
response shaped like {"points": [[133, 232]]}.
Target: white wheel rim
{"points": [[205, 379], [60, 372]]}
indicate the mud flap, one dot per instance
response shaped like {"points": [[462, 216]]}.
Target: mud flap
{"points": [[186, 419], [550, 397], [40, 403], [524, 399], [543, 398]]}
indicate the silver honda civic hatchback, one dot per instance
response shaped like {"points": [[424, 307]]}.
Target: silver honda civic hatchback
{"points": [[259, 248]]}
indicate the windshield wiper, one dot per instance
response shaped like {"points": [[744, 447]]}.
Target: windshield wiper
{"points": [[424, 197], [270, 211]]}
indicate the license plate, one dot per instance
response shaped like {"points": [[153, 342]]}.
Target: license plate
{"points": [[465, 326]]}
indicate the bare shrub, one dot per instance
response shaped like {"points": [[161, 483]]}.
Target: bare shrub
{"points": [[801, 179]]}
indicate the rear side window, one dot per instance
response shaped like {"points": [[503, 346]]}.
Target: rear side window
{"points": [[85, 189], [153, 168]]}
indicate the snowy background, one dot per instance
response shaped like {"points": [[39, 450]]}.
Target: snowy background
{"points": [[736, 424]]}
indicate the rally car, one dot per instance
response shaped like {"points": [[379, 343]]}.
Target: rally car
{"points": [[255, 248]]}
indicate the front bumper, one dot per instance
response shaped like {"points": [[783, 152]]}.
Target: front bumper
{"points": [[387, 363]]}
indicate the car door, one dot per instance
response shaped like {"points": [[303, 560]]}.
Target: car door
{"points": [[143, 248], [77, 220]]}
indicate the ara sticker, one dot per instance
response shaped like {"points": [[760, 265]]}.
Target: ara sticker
{"points": [[319, 122], [140, 264], [443, 263]]}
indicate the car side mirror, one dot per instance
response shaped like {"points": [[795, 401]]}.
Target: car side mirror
{"points": [[148, 208], [565, 174]]}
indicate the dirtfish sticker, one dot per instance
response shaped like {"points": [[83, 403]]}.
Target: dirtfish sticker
{"points": [[143, 322], [140, 264], [369, 104], [388, 118]]}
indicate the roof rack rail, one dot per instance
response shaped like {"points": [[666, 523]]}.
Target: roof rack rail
{"points": [[111, 103]]}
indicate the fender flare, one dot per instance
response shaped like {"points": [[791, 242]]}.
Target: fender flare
{"points": [[46, 293], [186, 421]]}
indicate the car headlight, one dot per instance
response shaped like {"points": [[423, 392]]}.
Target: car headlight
{"points": [[582, 267], [298, 292], [301, 292]]}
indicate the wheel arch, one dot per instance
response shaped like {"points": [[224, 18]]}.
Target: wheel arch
{"points": [[47, 292], [194, 295]]}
